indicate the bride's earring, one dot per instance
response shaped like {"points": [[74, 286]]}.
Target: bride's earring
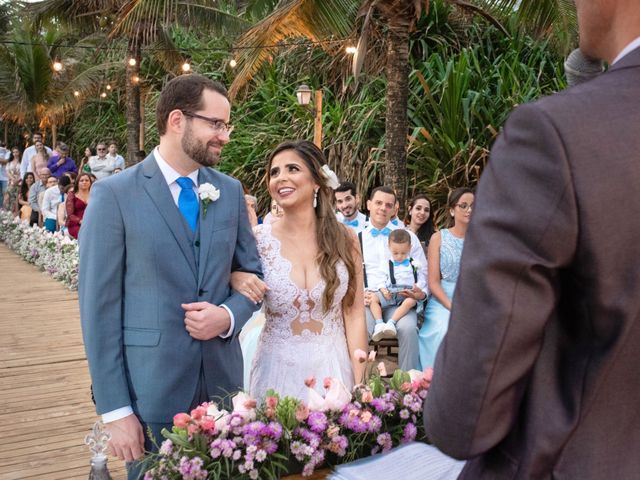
{"points": [[315, 198]]}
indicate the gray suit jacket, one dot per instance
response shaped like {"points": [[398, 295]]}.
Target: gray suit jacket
{"points": [[138, 263], [537, 377]]}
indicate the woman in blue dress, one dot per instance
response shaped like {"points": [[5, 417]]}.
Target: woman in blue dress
{"points": [[445, 250]]}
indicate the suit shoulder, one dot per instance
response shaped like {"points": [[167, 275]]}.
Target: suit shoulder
{"points": [[225, 179]]}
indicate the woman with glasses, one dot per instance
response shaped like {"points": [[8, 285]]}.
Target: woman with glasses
{"points": [[445, 250]]}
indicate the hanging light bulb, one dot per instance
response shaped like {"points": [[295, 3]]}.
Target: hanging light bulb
{"points": [[233, 63], [57, 66], [103, 95], [135, 79], [186, 67], [76, 93], [108, 87], [351, 50], [132, 62]]}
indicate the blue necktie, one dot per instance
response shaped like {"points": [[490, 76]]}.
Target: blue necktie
{"points": [[350, 223], [403, 263], [384, 232], [188, 202], [395, 221]]}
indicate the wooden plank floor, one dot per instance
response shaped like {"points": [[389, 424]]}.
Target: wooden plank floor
{"points": [[45, 406]]}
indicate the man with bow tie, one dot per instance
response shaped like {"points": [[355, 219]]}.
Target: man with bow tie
{"points": [[347, 201], [374, 240]]}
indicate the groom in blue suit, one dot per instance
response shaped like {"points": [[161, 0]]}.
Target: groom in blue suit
{"points": [[159, 320]]}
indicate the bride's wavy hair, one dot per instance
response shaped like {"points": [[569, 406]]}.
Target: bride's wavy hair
{"points": [[334, 240]]}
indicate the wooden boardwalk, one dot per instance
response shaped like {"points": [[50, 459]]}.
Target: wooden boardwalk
{"points": [[45, 405]]}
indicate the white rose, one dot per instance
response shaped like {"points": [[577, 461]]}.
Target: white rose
{"points": [[208, 192]]}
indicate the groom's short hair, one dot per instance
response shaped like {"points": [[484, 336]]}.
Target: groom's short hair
{"points": [[184, 93]]}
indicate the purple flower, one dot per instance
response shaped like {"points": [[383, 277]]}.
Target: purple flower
{"points": [[317, 422], [409, 434], [191, 469]]}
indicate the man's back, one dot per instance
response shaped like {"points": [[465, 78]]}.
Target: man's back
{"points": [[547, 301]]}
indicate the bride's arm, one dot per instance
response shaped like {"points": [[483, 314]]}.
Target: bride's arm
{"points": [[354, 318], [249, 285]]}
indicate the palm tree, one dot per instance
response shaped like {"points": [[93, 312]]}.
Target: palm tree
{"points": [[31, 91], [143, 23]]}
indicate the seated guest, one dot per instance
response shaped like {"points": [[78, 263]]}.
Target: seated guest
{"points": [[60, 162], [84, 163], [275, 213], [65, 184], [347, 203], [118, 160], [445, 250], [77, 201], [252, 209], [375, 252], [101, 165], [403, 273], [34, 195], [420, 220], [50, 202], [23, 196]]}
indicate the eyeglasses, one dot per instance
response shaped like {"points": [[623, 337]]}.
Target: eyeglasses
{"points": [[100, 149], [217, 125], [464, 206]]}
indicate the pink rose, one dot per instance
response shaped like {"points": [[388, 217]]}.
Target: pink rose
{"points": [[310, 381], [302, 412], [208, 425], [193, 429], [327, 383], [366, 417], [360, 355], [271, 402], [181, 420], [198, 412], [367, 396]]}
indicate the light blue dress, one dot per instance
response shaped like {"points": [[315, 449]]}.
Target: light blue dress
{"points": [[436, 316]]}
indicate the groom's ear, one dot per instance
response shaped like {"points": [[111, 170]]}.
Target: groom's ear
{"points": [[175, 121]]}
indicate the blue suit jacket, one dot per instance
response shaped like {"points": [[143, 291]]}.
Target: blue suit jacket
{"points": [[137, 265]]}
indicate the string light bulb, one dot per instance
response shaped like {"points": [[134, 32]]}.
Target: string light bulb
{"points": [[351, 50], [76, 93], [135, 79], [108, 87], [132, 62], [103, 95], [233, 63], [57, 66], [186, 67]]}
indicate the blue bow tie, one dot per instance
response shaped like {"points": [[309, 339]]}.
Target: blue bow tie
{"points": [[395, 221], [403, 263], [350, 223], [384, 232]]}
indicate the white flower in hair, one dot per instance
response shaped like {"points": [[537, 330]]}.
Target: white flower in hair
{"points": [[207, 193], [331, 178]]}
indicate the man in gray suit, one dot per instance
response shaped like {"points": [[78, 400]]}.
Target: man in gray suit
{"points": [[160, 323], [537, 376]]}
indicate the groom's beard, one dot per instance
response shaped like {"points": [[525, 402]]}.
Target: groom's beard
{"points": [[199, 152]]}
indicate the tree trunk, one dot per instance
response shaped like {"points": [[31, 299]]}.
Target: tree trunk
{"points": [[133, 100], [396, 123]]}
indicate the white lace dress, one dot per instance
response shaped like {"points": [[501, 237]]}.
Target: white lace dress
{"points": [[298, 340]]}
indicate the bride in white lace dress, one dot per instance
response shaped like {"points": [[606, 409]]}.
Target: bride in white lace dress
{"points": [[312, 269]]}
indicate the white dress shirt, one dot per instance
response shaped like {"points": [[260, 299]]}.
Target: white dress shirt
{"points": [[361, 218], [50, 202], [170, 176], [25, 165], [376, 257], [628, 49]]}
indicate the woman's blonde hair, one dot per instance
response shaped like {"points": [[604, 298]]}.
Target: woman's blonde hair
{"points": [[334, 240]]}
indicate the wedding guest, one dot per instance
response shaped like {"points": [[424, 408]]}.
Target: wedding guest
{"points": [[65, 184], [140, 155], [76, 203], [375, 250], [84, 162], [60, 162], [40, 158], [274, 213], [50, 202], [419, 219], [445, 250], [101, 165], [27, 155], [403, 273], [118, 160], [252, 206], [5, 157], [35, 192], [23, 197], [347, 203], [13, 172], [547, 300]]}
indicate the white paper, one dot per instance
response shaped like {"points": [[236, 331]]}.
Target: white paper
{"points": [[412, 461]]}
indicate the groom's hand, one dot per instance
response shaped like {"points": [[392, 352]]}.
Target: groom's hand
{"points": [[127, 438], [205, 321]]}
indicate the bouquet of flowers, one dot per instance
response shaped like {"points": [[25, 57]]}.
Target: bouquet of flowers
{"points": [[284, 435]]}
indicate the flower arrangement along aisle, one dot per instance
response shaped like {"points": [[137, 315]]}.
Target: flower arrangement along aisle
{"points": [[55, 253], [270, 440]]}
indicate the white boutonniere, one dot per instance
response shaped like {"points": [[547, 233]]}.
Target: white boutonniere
{"points": [[207, 193], [330, 177], [416, 264]]}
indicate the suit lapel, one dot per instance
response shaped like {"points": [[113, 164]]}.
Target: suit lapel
{"points": [[206, 221], [158, 190]]}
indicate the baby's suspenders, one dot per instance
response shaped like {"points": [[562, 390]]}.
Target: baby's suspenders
{"points": [[392, 277]]}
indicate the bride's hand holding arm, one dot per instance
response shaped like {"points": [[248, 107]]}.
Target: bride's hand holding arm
{"points": [[249, 285], [354, 318]]}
